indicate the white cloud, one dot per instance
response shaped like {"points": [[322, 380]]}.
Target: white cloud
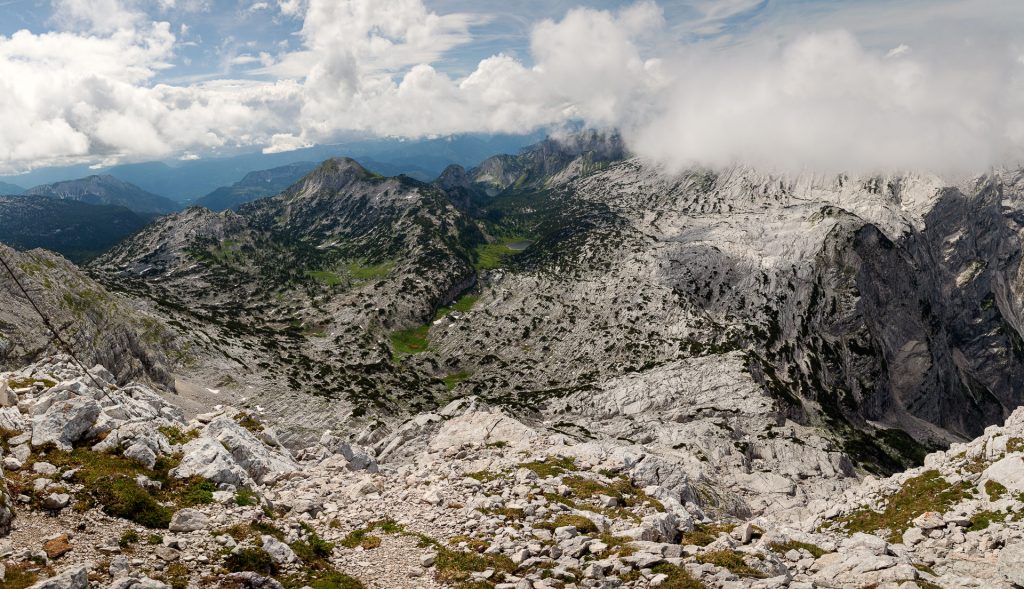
{"points": [[780, 98]]}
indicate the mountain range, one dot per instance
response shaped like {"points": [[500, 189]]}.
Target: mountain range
{"points": [[880, 311], [186, 180]]}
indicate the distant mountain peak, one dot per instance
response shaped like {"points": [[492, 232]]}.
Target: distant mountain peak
{"points": [[106, 190]]}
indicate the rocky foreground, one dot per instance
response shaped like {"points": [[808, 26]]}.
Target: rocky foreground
{"points": [[108, 486]]}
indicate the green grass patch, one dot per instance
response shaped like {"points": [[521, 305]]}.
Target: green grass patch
{"points": [[731, 561], [583, 525], [984, 519], [410, 341], [926, 492], [322, 579], [452, 380], [489, 256], [551, 466], [456, 566], [324, 277], [197, 492], [486, 476], [704, 534], [361, 537], [24, 383], [245, 498], [362, 272], [1015, 445], [128, 538], [678, 577], [784, 547], [176, 436]]}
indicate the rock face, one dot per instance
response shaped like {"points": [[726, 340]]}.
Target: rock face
{"points": [[106, 328]]}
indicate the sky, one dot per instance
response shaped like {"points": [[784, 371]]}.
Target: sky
{"points": [[855, 85]]}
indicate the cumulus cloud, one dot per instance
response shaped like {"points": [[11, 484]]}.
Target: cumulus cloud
{"points": [[820, 98]]}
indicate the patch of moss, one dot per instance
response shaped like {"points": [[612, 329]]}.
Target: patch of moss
{"points": [[360, 537], [926, 492], [1015, 445], [984, 519], [994, 490]]}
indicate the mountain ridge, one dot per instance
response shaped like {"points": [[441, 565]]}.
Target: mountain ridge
{"points": [[106, 190]]}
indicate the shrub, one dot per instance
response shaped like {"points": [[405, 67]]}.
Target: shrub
{"points": [[250, 559], [197, 492], [245, 498], [128, 538], [124, 498]]}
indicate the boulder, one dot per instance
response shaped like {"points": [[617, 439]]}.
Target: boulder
{"points": [[188, 520], [73, 578], [57, 547], [1011, 564], [7, 396], [278, 550], [1008, 472], [207, 458], [358, 458], [262, 464], [64, 422], [11, 419]]}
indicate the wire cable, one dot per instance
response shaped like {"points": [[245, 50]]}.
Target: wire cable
{"points": [[49, 325]]}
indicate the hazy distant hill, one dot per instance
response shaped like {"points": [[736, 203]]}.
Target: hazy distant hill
{"points": [[7, 188], [255, 185], [107, 190], [76, 230]]}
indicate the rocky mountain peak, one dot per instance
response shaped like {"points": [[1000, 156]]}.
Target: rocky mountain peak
{"points": [[333, 175]]}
